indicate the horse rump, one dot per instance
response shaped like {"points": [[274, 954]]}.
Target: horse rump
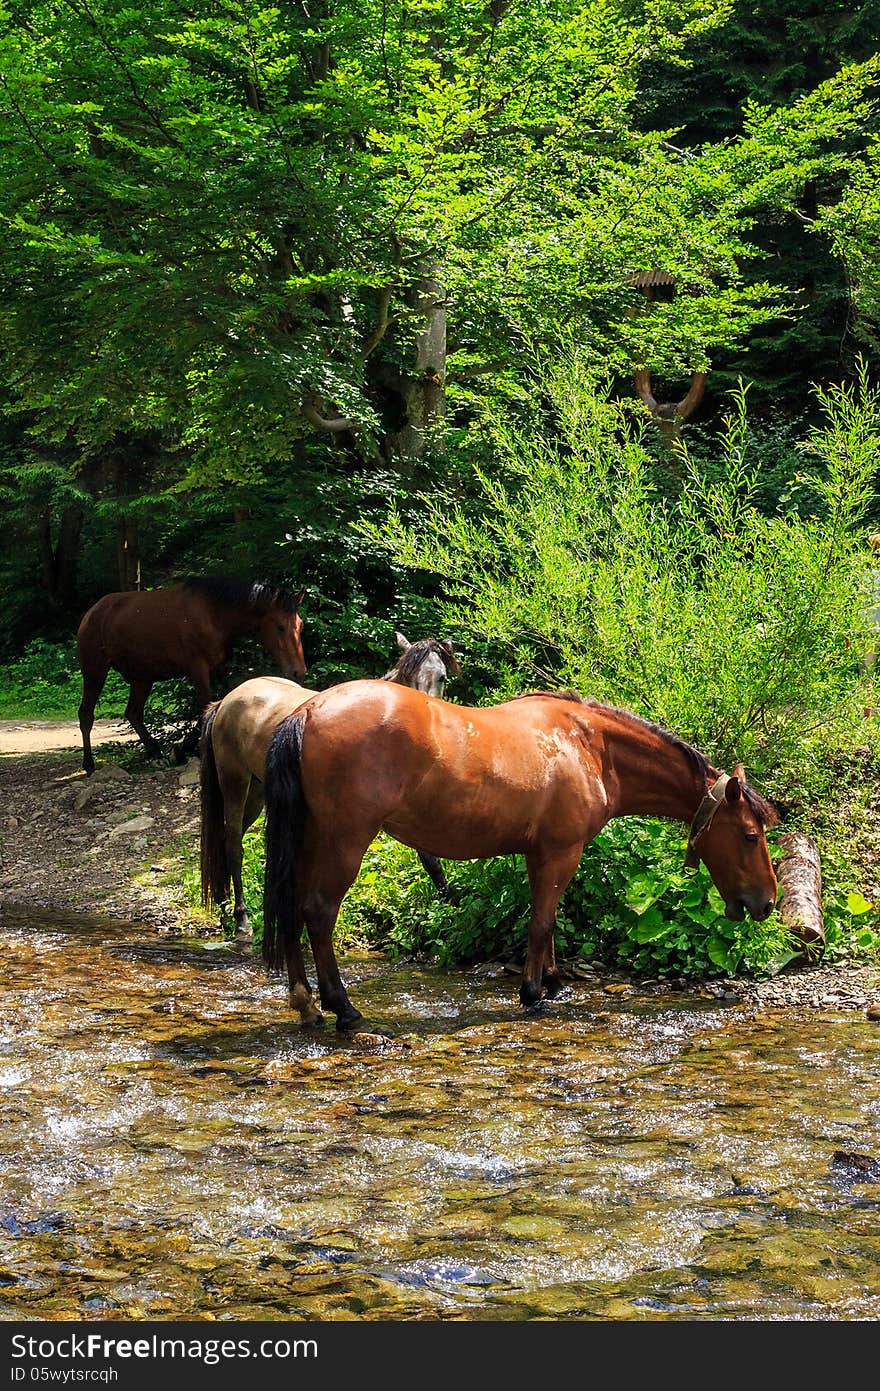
{"points": [[213, 859], [285, 824]]}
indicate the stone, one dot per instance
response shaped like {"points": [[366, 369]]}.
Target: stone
{"points": [[873, 1012], [189, 775], [127, 828], [83, 795], [11, 822], [109, 772]]}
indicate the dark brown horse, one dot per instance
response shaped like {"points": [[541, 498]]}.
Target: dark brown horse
{"points": [[236, 734], [539, 776], [188, 630]]}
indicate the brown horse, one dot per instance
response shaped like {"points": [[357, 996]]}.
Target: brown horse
{"points": [[188, 630], [539, 775], [236, 734]]}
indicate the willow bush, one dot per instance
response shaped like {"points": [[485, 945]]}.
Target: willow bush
{"points": [[743, 631]]}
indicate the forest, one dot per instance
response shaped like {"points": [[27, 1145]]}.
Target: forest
{"points": [[547, 328]]}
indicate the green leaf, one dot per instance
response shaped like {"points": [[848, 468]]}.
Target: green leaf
{"points": [[857, 904]]}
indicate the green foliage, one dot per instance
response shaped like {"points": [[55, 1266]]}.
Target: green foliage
{"points": [[44, 683], [743, 633]]}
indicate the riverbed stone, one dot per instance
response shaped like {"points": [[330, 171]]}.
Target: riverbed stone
{"points": [[189, 775]]}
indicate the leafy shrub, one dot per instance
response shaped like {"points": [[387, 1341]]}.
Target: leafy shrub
{"points": [[44, 683], [742, 632]]}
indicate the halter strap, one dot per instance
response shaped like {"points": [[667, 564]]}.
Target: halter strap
{"points": [[703, 819]]}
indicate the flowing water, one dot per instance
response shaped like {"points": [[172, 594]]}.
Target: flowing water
{"points": [[173, 1145]]}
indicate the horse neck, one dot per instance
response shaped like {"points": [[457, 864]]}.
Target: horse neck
{"points": [[236, 622], [646, 775]]}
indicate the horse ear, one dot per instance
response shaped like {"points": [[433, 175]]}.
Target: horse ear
{"points": [[739, 772], [402, 642], [447, 642], [298, 597], [733, 790]]}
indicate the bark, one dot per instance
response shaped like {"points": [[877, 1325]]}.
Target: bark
{"points": [[60, 559], [424, 393], [128, 555], [800, 879], [670, 414]]}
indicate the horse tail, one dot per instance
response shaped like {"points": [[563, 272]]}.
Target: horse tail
{"points": [[214, 862], [286, 812]]}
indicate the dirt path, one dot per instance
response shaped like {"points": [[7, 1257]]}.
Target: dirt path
{"points": [[118, 842], [38, 736]]}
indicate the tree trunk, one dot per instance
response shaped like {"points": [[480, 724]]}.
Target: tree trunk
{"points": [[59, 560], [800, 879], [670, 414], [424, 394], [128, 555]]}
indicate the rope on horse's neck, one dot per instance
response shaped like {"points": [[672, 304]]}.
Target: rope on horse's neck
{"points": [[703, 818]]}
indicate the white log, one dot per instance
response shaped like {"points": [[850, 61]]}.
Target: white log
{"points": [[799, 873]]}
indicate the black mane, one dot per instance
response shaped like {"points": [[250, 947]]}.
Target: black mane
{"points": [[409, 661], [234, 593], [763, 810]]}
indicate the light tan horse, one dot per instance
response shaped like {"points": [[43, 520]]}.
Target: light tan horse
{"points": [[236, 735]]}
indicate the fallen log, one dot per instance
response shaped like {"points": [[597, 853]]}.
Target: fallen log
{"points": [[799, 874]]}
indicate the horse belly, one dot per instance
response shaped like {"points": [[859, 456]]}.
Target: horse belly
{"points": [[467, 823]]}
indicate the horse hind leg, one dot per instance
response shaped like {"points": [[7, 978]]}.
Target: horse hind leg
{"points": [[329, 876], [239, 820], [134, 713], [93, 685]]}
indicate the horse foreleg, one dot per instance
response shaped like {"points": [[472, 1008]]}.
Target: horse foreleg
{"points": [[93, 685], [134, 713], [434, 871], [549, 876]]}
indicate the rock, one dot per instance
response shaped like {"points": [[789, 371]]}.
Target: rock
{"points": [[189, 775], [11, 822], [83, 795], [861, 1168], [873, 1012], [109, 772], [127, 828]]}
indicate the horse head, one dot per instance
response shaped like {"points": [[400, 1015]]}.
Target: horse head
{"points": [[426, 664], [727, 834], [280, 632]]}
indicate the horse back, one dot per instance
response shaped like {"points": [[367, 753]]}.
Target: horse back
{"points": [[451, 780], [150, 634], [247, 717]]}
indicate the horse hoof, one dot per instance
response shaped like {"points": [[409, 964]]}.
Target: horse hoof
{"points": [[347, 1023], [529, 994], [243, 931], [553, 983]]}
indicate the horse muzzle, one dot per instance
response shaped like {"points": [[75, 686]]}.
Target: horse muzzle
{"points": [[291, 673], [758, 908]]}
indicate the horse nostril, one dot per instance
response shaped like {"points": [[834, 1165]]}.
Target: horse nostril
{"points": [[769, 906]]}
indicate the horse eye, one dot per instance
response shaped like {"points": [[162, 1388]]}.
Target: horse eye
{"points": [[752, 837]]}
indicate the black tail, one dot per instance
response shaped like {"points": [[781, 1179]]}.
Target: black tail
{"points": [[285, 822], [214, 863]]}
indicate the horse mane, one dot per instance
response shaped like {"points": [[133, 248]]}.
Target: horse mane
{"points": [[232, 592], [409, 661], [765, 812]]}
